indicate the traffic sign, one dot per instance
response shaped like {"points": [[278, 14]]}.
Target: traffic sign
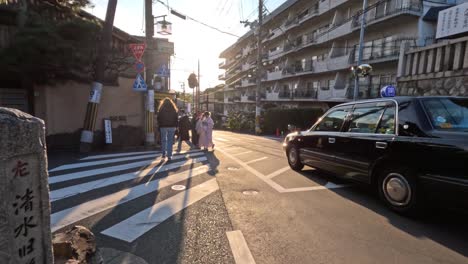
{"points": [[138, 49], [139, 66], [139, 85], [163, 71], [388, 91]]}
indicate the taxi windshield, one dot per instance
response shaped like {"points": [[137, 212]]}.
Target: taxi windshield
{"points": [[448, 113]]}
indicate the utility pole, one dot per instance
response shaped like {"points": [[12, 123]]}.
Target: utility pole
{"points": [[182, 85], [198, 86], [259, 67], [361, 47], [87, 134], [149, 105]]}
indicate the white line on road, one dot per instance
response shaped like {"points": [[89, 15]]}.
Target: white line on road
{"points": [[256, 160], [105, 156], [242, 153], [88, 173], [88, 186], [102, 162], [272, 184], [231, 147], [221, 139], [239, 248], [329, 185], [74, 214], [278, 172], [138, 224]]}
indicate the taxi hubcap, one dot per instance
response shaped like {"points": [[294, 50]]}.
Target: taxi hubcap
{"points": [[397, 189], [293, 156]]}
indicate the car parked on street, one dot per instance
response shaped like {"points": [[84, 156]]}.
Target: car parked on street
{"points": [[414, 150]]}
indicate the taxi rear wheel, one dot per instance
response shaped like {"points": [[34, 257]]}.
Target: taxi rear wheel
{"points": [[398, 190], [294, 159]]}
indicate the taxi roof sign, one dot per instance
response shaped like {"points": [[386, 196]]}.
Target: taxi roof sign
{"points": [[388, 91]]}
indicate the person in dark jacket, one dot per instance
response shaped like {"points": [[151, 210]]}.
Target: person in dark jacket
{"points": [[184, 128], [194, 129], [167, 121]]}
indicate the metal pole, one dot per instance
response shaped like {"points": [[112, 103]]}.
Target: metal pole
{"points": [[361, 47], [198, 86], [183, 89], [259, 67], [87, 134], [149, 106]]}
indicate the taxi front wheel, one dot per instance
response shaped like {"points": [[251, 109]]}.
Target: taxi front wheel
{"points": [[294, 159]]}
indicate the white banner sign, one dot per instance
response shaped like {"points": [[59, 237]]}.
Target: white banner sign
{"points": [[150, 101], [95, 94], [452, 21], [108, 131]]}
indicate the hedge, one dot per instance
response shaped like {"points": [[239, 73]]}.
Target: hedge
{"points": [[280, 118]]}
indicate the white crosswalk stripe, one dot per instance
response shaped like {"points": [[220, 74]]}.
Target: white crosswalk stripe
{"points": [[88, 186], [105, 156], [103, 162], [135, 226], [88, 173], [86, 194]]}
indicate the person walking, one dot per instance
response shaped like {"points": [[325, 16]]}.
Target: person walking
{"points": [[205, 131], [184, 127], [167, 120], [195, 119]]}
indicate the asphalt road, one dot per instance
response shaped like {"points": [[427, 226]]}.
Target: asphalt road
{"points": [[310, 217], [241, 204]]}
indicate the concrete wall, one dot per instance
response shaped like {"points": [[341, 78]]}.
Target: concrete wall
{"points": [[63, 106]]}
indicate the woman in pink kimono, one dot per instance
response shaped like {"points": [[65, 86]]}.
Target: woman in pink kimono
{"points": [[205, 131]]}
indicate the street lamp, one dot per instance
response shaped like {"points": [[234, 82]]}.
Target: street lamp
{"points": [[163, 27]]}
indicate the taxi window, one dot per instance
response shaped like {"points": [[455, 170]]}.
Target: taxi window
{"points": [[387, 123], [448, 113], [333, 121], [365, 118]]}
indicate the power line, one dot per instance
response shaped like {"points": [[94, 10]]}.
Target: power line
{"points": [[198, 21]]}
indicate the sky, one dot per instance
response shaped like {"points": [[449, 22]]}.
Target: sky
{"points": [[192, 41]]}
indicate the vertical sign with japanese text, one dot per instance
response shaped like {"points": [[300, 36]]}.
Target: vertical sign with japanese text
{"points": [[25, 234], [24, 208]]}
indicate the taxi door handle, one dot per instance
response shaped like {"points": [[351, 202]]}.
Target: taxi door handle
{"points": [[331, 140], [381, 145]]}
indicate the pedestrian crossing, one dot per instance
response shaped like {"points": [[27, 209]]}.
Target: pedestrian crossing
{"points": [[87, 190]]}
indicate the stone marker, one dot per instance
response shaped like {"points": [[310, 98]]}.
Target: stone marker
{"points": [[25, 236]]}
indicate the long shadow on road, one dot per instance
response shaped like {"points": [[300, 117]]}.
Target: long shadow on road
{"points": [[190, 235], [446, 226]]}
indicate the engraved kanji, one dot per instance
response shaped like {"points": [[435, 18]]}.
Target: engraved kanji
{"points": [[24, 202], [20, 169], [25, 226], [26, 249]]}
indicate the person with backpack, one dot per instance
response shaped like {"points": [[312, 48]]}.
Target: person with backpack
{"points": [[168, 122]]}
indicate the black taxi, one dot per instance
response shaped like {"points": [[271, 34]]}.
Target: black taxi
{"points": [[414, 150]]}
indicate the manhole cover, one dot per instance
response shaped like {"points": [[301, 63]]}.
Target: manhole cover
{"points": [[232, 168], [178, 187], [250, 192]]}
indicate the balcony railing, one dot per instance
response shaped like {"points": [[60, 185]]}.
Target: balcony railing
{"points": [[222, 77], [386, 8], [284, 95], [305, 94], [367, 91]]}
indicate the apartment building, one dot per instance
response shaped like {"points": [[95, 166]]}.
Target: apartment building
{"points": [[212, 100], [309, 48]]}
